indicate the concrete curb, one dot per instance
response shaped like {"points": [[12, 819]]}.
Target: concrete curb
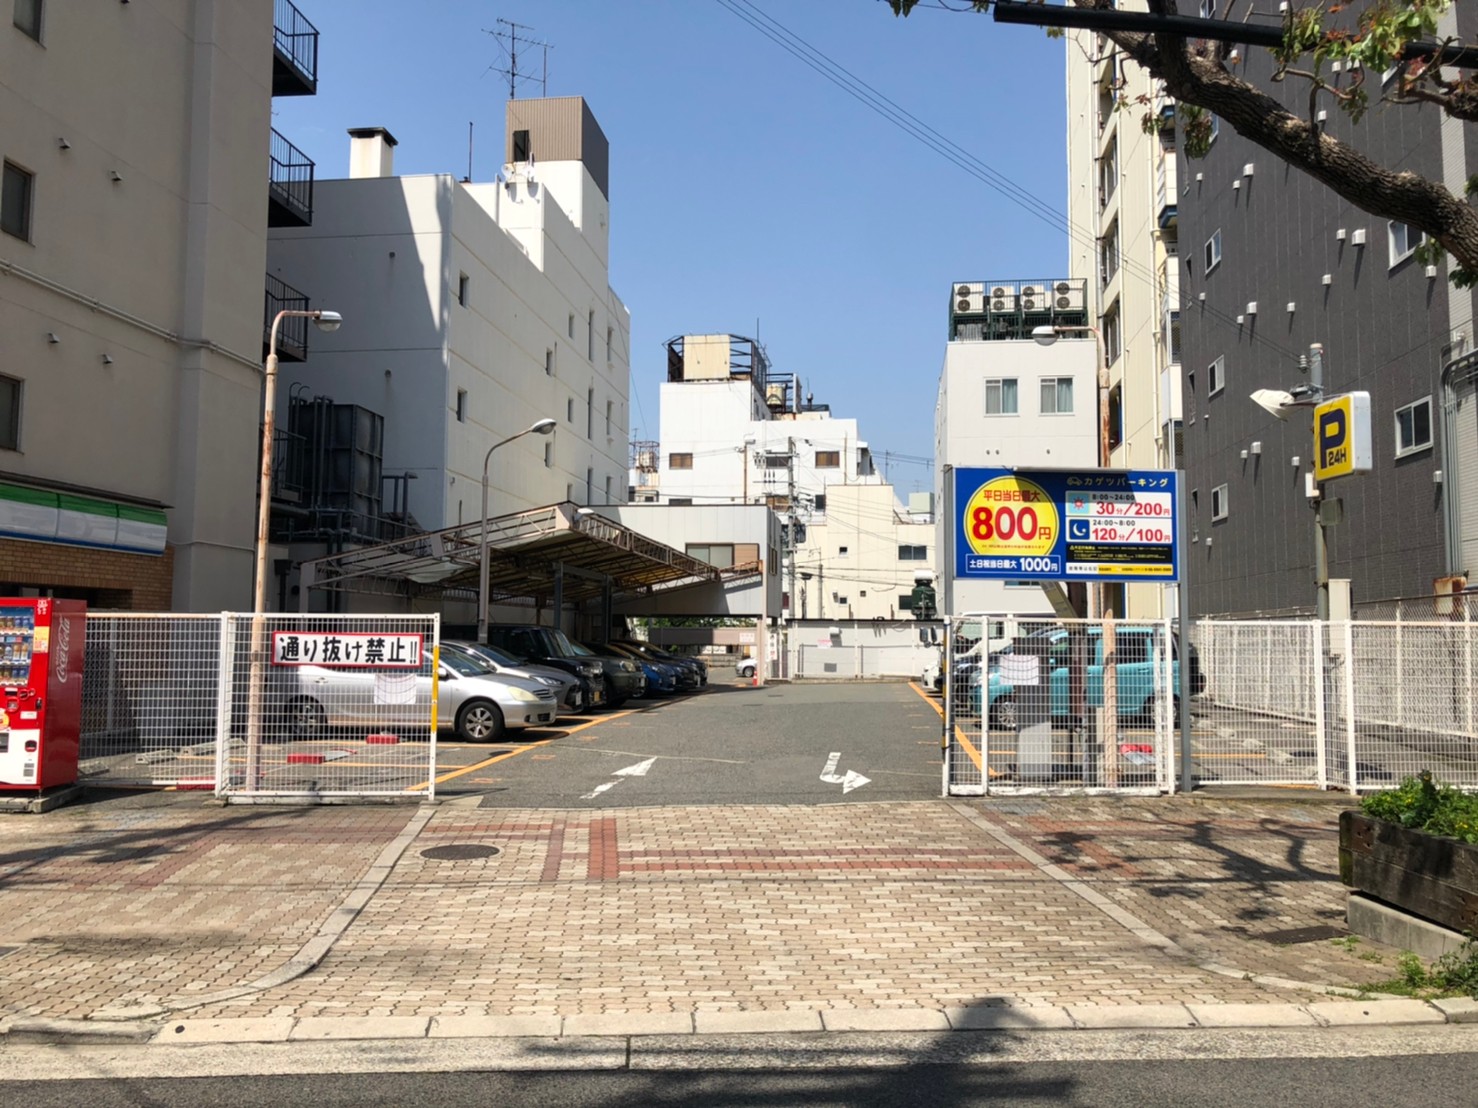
{"points": [[698, 1025]]}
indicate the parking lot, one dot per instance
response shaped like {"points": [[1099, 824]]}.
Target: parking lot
{"points": [[732, 743]]}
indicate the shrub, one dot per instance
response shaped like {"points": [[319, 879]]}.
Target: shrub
{"points": [[1423, 805]]}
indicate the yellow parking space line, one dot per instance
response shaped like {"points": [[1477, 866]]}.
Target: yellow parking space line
{"points": [[522, 750]]}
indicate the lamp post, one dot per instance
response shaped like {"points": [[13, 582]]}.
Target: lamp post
{"points": [[324, 321], [539, 427]]}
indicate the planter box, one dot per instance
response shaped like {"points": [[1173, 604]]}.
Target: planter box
{"points": [[1428, 876]]}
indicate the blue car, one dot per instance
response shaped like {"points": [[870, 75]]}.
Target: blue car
{"points": [[1137, 675]]}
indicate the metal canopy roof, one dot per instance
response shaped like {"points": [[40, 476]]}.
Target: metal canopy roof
{"points": [[525, 549]]}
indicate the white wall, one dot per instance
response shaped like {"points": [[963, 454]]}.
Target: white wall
{"points": [[681, 526], [867, 522], [174, 97]]}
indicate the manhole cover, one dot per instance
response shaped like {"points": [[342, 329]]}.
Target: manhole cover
{"points": [[459, 852], [1304, 935]]}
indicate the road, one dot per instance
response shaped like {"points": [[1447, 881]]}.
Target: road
{"points": [[1375, 1067], [730, 744]]}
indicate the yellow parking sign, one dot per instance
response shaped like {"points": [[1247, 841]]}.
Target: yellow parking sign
{"points": [[1342, 436]]}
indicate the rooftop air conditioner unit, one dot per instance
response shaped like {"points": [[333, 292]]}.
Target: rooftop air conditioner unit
{"points": [[970, 298], [1068, 297], [1002, 301], [1033, 297]]}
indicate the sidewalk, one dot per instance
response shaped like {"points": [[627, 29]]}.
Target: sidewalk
{"points": [[331, 922]]}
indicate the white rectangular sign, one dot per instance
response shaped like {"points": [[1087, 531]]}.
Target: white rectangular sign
{"points": [[350, 649]]}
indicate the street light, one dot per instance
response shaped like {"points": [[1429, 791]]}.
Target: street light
{"points": [[324, 321], [539, 427]]}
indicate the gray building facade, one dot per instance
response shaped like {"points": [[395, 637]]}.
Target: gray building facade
{"points": [[1272, 261]]}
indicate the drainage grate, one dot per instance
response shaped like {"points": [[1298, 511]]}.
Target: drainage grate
{"points": [[1304, 935], [460, 852]]}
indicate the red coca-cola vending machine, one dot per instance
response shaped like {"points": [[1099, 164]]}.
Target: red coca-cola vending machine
{"points": [[42, 642]]}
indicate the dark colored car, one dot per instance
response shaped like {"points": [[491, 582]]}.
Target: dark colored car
{"points": [[671, 677], [624, 676], [696, 665], [548, 646]]}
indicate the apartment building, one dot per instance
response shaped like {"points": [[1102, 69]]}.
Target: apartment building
{"points": [[1006, 399], [1123, 198], [138, 160], [472, 310], [1272, 263], [735, 431]]}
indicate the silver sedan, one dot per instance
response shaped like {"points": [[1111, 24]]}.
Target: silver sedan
{"points": [[474, 703], [566, 686]]}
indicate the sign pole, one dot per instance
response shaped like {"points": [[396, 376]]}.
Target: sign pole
{"points": [[1321, 536], [1183, 603]]}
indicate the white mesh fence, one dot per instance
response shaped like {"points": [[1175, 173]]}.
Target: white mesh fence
{"points": [[1354, 705], [149, 693], [325, 706], [329, 705], [1060, 706]]}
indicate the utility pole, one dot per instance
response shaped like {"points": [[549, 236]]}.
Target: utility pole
{"points": [[1321, 534], [512, 43]]}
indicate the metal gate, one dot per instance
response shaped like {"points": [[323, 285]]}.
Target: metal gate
{"points": [[305, 706], [1059, 706]]}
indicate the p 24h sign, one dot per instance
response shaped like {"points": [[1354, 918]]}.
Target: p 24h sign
{"points": [[1342, 436], [1058, 525]]}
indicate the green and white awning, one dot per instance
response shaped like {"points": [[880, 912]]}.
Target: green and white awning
{"points": [[38, 515]]}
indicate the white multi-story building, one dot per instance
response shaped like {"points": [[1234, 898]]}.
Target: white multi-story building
{"points": [[1005, 400], [133, 238], [733, 431], [471, 311], [1123, 190]]}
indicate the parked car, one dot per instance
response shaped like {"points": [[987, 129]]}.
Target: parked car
{"points": [[566, 686], [661, 680], [696, 666], [1137, 679], [548, 646], [472, 701], [624, 676], [746, 667], [681, 678]]}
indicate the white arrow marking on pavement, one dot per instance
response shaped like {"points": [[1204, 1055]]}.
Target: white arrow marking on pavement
{"points": [[638, 770], [829, 774], [595, 792], [852, 780]]}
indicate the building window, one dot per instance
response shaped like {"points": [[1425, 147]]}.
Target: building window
{"points": [[28, 17], [589, 484], [521, 148], [462, 283], [1402, 239], [569, 409], [828, 459], [1213, 250], [679, 461], [608, 488], [905, 602], [777, 461], [1216, 376], [548, 455], [1215, 128], [461, 405], [16, 189], [549, 363], [1413, 427], [1208, 9], [681, 502], [10, 413], [1108, 254], [590, 413], [1111, 334], [1057, 395], [1116, 415], [590, 337], [821, 502], [718, 555], [610, 409], [1219, 502], [1000, 396], [841, 552], [570, 326], [610, 338], [913, 553], [1108, 173], [842, 600]]}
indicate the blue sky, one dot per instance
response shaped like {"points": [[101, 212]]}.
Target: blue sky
{"points": [[749, 194]]}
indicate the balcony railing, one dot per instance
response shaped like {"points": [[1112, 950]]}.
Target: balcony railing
{"points": [[294, 52], [292, 336], [290, 189]]}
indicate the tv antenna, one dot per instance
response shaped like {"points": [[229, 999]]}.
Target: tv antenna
{"points": [[510, 41]]}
